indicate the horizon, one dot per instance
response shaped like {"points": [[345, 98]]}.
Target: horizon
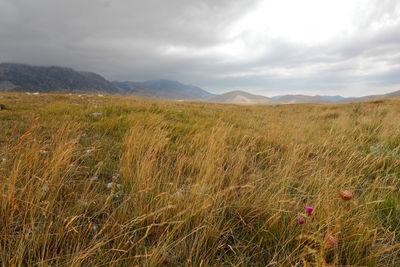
{"points": [[346, 48], [220, 93]]}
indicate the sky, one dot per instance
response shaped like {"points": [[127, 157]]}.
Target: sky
{"points": [[267, 47]]}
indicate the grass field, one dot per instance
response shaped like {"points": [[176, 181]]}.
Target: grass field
{"points": [[110, 181]]}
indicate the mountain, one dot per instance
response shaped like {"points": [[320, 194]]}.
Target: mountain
{"points": [[241, 97], [166, 89], [297, 99], [20, 77]]}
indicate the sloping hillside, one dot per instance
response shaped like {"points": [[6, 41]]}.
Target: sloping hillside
{"points": [[372, 97], [241, 97], [297, 99], [164, 89]]}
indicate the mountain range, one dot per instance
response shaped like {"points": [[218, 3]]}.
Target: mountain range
{"points": [[26, 78]]}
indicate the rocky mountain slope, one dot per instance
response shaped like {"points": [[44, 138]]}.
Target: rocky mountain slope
{"points": [[20, 77]]}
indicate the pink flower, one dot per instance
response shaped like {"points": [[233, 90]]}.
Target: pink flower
{"points": [[300, 221], [309, 210], [331, 241]]}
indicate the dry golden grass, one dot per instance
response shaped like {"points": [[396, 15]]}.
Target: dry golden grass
{"points": [[161, 183]]}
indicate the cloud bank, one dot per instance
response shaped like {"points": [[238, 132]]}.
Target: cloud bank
{"points": [[348, 47]]}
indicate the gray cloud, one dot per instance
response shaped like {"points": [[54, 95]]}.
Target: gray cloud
{"points": [[191, 41]]}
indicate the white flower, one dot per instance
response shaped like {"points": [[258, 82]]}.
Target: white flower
{"points": [[45, 189], [112, 184]]}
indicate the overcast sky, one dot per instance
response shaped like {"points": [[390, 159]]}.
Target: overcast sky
{"points": [[268, 47]]}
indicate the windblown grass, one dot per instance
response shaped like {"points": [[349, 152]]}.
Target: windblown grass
{"points": [[164, 183]]}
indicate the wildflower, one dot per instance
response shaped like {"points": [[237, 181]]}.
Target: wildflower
{"points": [[331, 241], [346, 195], [165, 262], [45, 189], [112, 184], [309, 210], [43, 151], [300, 221]]}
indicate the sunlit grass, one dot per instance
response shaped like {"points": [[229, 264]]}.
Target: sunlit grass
{"points": [[172, 183]]}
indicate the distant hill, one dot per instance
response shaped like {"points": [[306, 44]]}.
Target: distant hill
{"points": [[292, 99], [372, 97], [164, 89], [241, 97], [20, 77], [335, 98]]}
